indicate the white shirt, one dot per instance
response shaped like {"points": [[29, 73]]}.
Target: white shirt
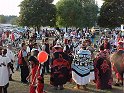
{"points": [[43, 47], [28, 49], [66, 36], [4, 74], [36, 49], [10, 54]]}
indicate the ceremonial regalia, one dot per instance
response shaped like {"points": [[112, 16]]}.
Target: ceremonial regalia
{"points": [[117, 60], [118, 64], [81, 67], [60, 68], [103, 73]]}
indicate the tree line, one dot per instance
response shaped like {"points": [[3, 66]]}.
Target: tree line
{"points": [[111, 14], [8, 19], [70, 13], [66, 13]]}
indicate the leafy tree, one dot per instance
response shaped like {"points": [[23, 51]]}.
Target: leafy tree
{"points": [[112, 13], [76, 13], [2, 19], [69, 13], [13, 21], [91, 11], [7, 19], [37, 13]]}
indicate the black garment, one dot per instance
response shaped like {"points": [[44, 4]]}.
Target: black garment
{"points": [[31, 47], [60, 69], [69, 49], [93, 35], [24, 73], [46, 64], [5, 88], [47, 49], [35, 35], [64, 55], [32, 58]]}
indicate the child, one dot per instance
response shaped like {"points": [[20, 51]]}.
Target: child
{"points": [[34, 64], [35, 73]]}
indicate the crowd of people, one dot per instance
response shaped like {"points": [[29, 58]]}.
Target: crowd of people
{"points": [[79, 56]]}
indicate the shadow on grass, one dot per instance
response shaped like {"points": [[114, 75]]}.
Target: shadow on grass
{"points": [[16, 81], [91, 89], [114, 89]]}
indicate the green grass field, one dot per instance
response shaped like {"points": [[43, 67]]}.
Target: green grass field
{"points": [[17, 87]]}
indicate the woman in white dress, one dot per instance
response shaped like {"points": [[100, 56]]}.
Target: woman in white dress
{"points": [[80, 68], [4, 71]]}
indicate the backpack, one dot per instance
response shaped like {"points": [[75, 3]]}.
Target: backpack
{"points": [[20, 62]]}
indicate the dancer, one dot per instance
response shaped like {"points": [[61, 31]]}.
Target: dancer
{"points": [[60, 69], [118, 63], [80, 68], [102, 67]]}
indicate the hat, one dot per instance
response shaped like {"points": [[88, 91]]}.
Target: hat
{"points": [[58, 45]]}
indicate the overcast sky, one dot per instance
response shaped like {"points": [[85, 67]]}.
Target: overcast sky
{"points": [[10, 7]]}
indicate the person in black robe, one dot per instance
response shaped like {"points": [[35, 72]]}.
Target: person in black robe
{"points": [[60, 68]]}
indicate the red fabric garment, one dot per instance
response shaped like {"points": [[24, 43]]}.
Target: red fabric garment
{"points": [[121, 49], [34, 70], [58, 50], [40, 85], [117, 74], [118, 65], [103, 73], [7, 34], [36, 75], [118, 39], [3, 36], [65, 41], [12, 37], [102, 54], [20, 57], [32, 89], [60, 72]]}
